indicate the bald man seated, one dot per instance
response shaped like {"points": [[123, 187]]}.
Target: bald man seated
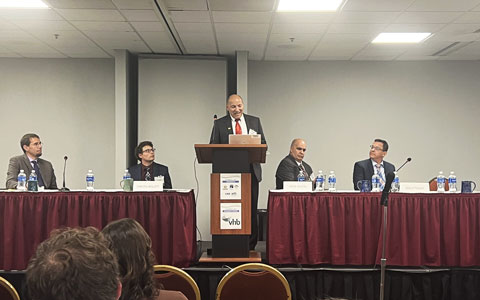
{"points": [[291, 165]]}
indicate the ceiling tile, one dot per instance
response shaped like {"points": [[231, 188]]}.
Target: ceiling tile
{"points": [[285, 58], [332, 57], [443, 5], [40, 25], [357, 28], [9, 54], [469, 17], [148, 26], [113, 35], [80, 4], [302, 17], [196, 43], [102, 26], [144, 15], [299, 28], [194, 28], [135, 4], [347, 38], [377, 5], [159, 42], [460, 28], [242, 17], [190, 16], [253, 42], [244, 5], [427, 17], [4, 25], [241, 28], [52, 54], [379, 57], [91, 14], [414, 27], [407, 57], [186, 4], [366, 17], [30, 14], [66, 39]]}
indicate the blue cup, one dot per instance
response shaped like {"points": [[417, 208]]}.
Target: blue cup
{"points": [[364, 186], [467, 186]]}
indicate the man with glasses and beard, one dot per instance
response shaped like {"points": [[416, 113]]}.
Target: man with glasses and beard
{"points": [[364, 170], [148, 169]]}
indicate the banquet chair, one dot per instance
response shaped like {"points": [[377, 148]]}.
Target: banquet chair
{"points": [[253, 281], [7, 291], [175, 279], [433, 184]]}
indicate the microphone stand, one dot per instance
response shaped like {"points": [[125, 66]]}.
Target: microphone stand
{"points": [[64, 189], [383, 260]]}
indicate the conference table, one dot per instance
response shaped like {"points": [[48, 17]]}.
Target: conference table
{"points": [[27, 218], [345, 228]]}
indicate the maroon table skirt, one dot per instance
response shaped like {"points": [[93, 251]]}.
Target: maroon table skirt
{"points": [[346, 229], [26, 219]]}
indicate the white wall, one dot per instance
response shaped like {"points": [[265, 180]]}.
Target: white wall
{"points": [[177, 101], [426, 110], [69, 103]]}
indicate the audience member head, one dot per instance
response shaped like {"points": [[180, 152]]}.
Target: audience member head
{"points": [[235, 106], [298, 149], [378, 150], [145, 152], [31, 145], [133, 247], [73, 264]]}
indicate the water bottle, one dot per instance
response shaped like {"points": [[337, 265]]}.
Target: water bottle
{"points": [[395, 183], [301, 176], [32, 184], [452, 182], [127, 175], [90, 180], [22, 181], [440, 182], [319, 182], [375, 183], [332, 181]]}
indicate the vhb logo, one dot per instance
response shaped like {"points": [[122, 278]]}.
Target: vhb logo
{"points": [[234, 222]]}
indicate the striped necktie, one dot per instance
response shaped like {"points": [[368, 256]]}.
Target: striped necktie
{"points": [[382, 178]]}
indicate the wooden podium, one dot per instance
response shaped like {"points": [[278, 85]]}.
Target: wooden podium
{"points": [[234, 158]]}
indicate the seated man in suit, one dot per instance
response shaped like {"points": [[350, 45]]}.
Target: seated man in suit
{"points": [[74, 264], [30, 160], [147, 169], [291, 165], [364, 170]]}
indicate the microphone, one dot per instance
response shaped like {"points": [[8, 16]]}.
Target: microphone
{"points": [[386, 190], [64, 189], [407, 161], [212, 137], [214, 117]]}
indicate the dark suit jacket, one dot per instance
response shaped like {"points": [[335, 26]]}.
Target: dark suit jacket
{"points": [[158, 169], [22, 162], [223, 127], [363, 170], [288, 170]]}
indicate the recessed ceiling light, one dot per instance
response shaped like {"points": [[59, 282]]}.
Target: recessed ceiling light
{"points": [[309, 5], [22, 4], [401, 37]]}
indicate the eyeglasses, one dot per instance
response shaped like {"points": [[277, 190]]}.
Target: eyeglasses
{"points": [[301, 149], [151, 150], [36, 144], [376, 148]]}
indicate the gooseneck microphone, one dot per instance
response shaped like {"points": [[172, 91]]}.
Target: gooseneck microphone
{"points": [[386, 189], [64, 188], [212, 137], [407, 161]]}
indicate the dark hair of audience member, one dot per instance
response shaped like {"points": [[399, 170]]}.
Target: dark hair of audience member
{"points": [[133, 247], [74, 263]]}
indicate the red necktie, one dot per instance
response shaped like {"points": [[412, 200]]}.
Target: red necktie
{"points": [[238, 128]]}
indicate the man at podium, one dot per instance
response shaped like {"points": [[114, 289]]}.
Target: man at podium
{"points": [[236, 122]]}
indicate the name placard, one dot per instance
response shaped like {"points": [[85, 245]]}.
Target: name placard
{"points": [[148, 186], [414, 187], [297, 186]]}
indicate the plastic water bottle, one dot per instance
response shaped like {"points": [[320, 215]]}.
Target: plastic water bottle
{"points": [[395, 183], [90, 180], [319, 182], [440, 182], [332, 181], [127, 175], [452, 182], [375, 183], [301, 176], [32, 184], [22, 181]]}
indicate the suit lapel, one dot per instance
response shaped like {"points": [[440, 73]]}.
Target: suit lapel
{"points": [[247, 122], [27, 163], [228, 125]]}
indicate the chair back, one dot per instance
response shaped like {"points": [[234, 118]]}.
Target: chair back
{"points": [[175, 279], [7, 291], [433, 184], [253, 281]]}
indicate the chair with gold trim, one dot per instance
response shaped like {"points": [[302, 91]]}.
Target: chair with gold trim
{"points": [[253, 281], [433, 184], [7, 291], [175, 279]]}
